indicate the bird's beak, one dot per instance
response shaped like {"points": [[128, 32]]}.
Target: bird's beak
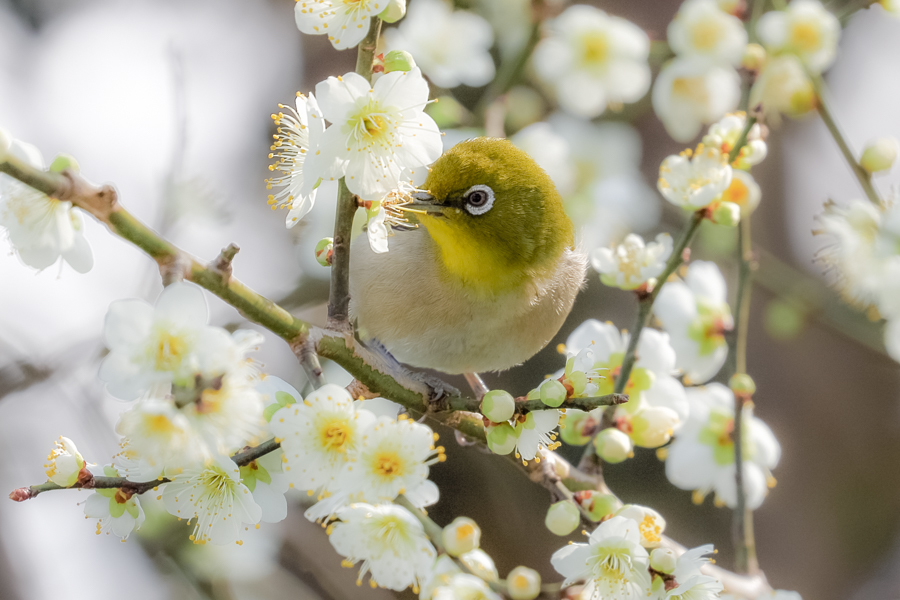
{"points": [[425, 202]]}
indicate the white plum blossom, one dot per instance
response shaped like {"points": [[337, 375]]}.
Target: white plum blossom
{"points": [[857, 258], [688, 582], [632, 264], [118, 512], [651, 524], [689, 93], [702, 29], [743, 191], [377, 133], [535, 433], [452, 47], [392, 460], [345, 23], [390, 542], [297, 131], [214, 497], [596, 169], [613, 561], [696, 315], [783, 87], [319, 435], [157, 435], [806, 29], [41, 228], [64, 463], [151, 347], [726, 132], [701, 458], [592, 59], [693, 180]]}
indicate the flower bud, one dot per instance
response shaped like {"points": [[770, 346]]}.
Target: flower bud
{"points": [[726, 213], [880, 155], [754, 57], [562, 518], [572, 430], [653, 426], [742, 384], [498, 406], [650, 523], [394, 11], [461, 536], [64, 463], [398, 60], [662, 560], [63, 162], [481, 565], [502, 438], [553, 393], [324, 250], [523, 583], [597, 504], [613, 446]]}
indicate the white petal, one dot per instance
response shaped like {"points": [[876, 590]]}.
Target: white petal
{"points": [[183, 303]]}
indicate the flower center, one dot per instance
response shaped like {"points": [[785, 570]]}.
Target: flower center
{"points": [[705, 35], [737, 193], [650, 529], [169, 350], [372, 126], [388, 464], [691, 89], [335, 435], [595, 49], [805, 36], [611, 565]]}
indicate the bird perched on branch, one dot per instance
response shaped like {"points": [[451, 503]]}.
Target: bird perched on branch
{"points": [[487, 279]]}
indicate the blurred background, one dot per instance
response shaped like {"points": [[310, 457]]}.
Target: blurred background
{"points": [[170, 101]]}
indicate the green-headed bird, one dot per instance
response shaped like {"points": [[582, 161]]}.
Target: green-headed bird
{"points": [[489, 277]]}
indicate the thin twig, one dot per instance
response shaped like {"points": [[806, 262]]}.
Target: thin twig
{"points": [[824, 107], [242, 458]]}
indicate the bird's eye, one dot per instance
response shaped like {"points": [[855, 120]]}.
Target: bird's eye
{"points": [[479, 199]]}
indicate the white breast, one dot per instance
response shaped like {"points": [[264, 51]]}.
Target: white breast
{"points": [[425, 319]]}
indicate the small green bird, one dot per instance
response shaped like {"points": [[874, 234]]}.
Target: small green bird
{"points": [[489, 277]]}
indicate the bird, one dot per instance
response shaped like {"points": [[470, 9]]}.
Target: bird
{"points": [[487, 276]]}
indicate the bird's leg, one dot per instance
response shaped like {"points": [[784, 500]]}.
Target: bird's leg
{"points": [[479, 387]]}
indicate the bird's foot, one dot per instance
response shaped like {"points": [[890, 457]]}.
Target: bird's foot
{"points": [[439, 389]]}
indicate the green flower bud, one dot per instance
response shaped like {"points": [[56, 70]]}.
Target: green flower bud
{"points": [[562, 518], [553, 393], [784, 319], [572, 429], [502, 438], [727, 214], [742, 384], [598, 505], [523, 583], [498, 406], [324, 249], [534, 394], [63, 162], [395, 10], [663, 560], [754, 57], [880, 155], [461, 536], [613, 446], [398, 60]]}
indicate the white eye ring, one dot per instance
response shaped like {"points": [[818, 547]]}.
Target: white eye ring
{"points": [[479, 199]]}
